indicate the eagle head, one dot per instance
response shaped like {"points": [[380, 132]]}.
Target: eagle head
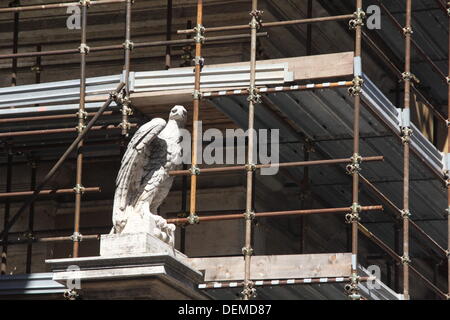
{"points": [[178, 113]]}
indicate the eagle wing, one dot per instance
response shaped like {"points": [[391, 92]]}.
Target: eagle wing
{"points": [[132, 166]]}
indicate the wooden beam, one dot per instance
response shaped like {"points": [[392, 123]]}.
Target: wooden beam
{"points": [[334, 65], [274, 267]]}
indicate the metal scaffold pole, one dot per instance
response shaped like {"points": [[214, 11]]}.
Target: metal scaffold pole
{"points": [[199, 62], [448, 152], [128, 46], [84, 49], [253, 98], [7, 211], [354, 168], [31, 213], [406, 135]]}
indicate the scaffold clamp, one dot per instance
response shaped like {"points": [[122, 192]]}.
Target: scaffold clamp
{"points": [[247, 251], [407, 30], [126, 125], [249, 215], [199, 61], [405, 213], [76, 237], [249, 290], [129, 45], [250, 167], [410, 77], [126, 110], [253, 95], [358, 20], [447, 181], [356, 89], [36, 69], [200, 31], [406, 133], [352, 287], [353, 216], [86, 3], [29, 236], [115, 96], [79, 189], [197, 94], [195, 171], [405, 259], [71, 294], [309, 145], [256, 22], [81, 114], [193, 219], [355, 166], [83, 48], [80, 127]]}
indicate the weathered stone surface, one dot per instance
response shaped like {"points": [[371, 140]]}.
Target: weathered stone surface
{"points": [[150, 276], [133, 244]]}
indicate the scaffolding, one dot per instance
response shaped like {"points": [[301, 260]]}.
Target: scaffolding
{"points": [[257, 28]]}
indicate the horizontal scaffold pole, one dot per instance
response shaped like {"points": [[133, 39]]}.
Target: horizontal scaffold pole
{"points": [[281, 165], [58, 130], [275, 214], [281, 282], [56, 6], [18, 194], [120, 46], [273, 24]]}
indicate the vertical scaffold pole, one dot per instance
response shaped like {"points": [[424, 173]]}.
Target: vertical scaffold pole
{"points": [[254, 98], [84, 50], [448, 152], [354, 168], [127, 46], [4, 257], [15, 3], [406, 135], [30, 230], [199, 62], [169, 33]]}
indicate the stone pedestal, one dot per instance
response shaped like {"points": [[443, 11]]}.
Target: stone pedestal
{"points": [[131, 266], [114, 245]]}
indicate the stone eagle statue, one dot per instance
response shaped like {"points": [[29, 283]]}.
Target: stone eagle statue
{"points": [[143, 181]]}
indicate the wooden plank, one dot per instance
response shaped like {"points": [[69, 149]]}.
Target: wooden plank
{"points": [[334, 65], [320, 66], [275, 266]]}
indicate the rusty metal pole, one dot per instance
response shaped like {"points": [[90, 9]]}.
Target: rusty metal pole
{"points": [[128, 46], [253, 98], [84, 49], [353, 217], [7, 211], [15, 3], [199, 62], [169, 33], [38, 65], [30, 230], [406, 134]]}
